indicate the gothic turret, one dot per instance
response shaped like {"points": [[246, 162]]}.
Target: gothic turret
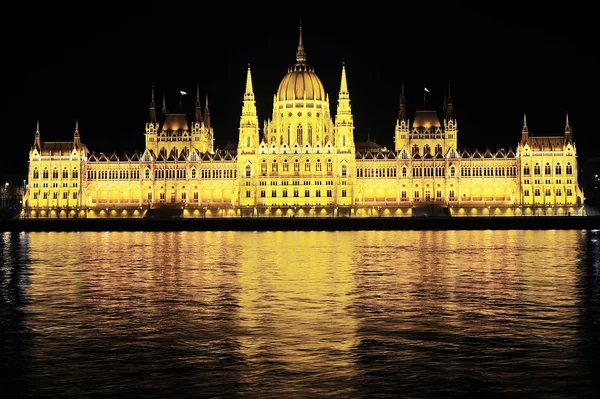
{"points": [[568, 135], [76, 137], [248, 136], [525, 131], [402, 124], [37, 143], [344, 125]]}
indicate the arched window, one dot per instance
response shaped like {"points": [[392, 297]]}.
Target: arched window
{"points": [[36, 173], [526, 170], [274, 166], [263, 166], [344, 140], [310, 140], [318, 165], [281, 140], [438, 149], [344, 170], [75, 173], [307, 166], [426, 149], [193, 173], [558, 169], [147, 173], [329, 165], [55, 173], [65, 173], [45, 173], [547, 169], [415, 149], [569, 168], [404, 171], [248, 141], [286, 165], [296, 165], [299, 134], [248, 171], [452, 171], [536, 169]]}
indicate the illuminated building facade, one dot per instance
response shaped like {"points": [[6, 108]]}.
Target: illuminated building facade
{"points": [[305, 164]]}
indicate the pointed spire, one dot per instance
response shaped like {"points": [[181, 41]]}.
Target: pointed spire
{"points": [[249, 89], [152, 117], [76, 128], [402, 110], [37, 142], [568, 136], [525, 123], [449, 107], [300, 54], [206, 113], [344, 84], [198, 113], [164, 107]]}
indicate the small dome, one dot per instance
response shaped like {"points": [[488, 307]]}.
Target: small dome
{"points": [[299, 82]]}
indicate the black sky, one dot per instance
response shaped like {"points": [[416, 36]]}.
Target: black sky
{"points": [[96, 63]]}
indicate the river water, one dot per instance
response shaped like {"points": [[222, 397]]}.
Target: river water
{"points": [[363, 314]]}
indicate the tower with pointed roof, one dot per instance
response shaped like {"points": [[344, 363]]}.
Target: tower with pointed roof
{"points": [[402, 125]]}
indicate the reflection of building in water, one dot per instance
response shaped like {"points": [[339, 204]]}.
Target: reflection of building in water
{"points": [[296, 307], [305, 163]]}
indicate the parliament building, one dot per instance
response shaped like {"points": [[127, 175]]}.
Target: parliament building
{"points": [[305, 163]]}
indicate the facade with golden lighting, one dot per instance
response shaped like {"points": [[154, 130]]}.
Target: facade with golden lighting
{"points": [[305, 164]]}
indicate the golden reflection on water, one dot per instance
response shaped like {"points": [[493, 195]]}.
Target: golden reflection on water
{"points": [[303, 311]]}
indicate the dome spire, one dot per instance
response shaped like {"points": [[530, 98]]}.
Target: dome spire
{"points": [[300, 54], [402, 109]]}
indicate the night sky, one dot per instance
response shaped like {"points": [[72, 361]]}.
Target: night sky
{"points": [[97, 65]]}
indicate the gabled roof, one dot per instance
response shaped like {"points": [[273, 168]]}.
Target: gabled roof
{"points": [[465, 154], [228, 156], [113, 157], [135, 156], [391, 155], [56, 148], [500, 154], [428, 155], [102, 157], [217, 156], [488, 154], [416, 156], [476, 154], [181, 157], [160, 157], [379, 155], [368, 155], [206, 157], [548, 143], [439, 155], [171, 157], [175, 122], [510, 153], [426, 119], [92, 157]]}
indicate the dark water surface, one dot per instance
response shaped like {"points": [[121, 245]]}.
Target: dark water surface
{"points": [[364, 314]]}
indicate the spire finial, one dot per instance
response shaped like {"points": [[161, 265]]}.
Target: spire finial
{"points": [[164, 107], [344, 84], [37, 129], [152, 101], [402, 109], [525, 122], [76, 127], [249, 89], [206, 102], [198, 94], [567, 124], [300, 54]]}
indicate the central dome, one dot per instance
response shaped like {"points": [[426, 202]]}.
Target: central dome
{"points": [[301, 83]]}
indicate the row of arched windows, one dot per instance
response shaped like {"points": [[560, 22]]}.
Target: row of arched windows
{"points": [[547, 169], [55, 174]]}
